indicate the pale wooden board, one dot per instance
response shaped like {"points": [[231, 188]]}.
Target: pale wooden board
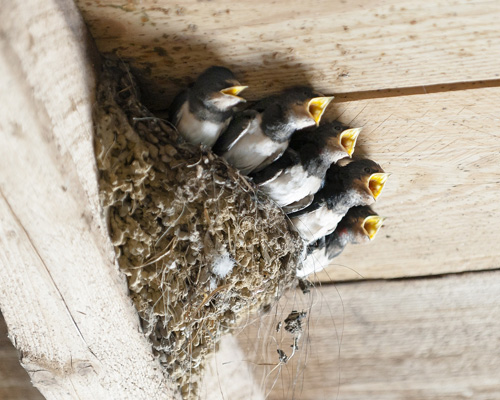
{"points": [[441, 201], [425, 339], [225, 380], [63, 299], [14, 381], [337, 45]]}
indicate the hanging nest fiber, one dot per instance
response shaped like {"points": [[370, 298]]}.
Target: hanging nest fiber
{"points": [[200, 246]]}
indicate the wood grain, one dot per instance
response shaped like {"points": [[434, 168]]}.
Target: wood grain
{"points": [[424, 339], [337, 46], [224, 379], [63, 299], [221, 380], [443, 151]]}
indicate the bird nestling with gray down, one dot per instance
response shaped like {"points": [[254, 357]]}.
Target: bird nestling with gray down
{"points": [[259, 135], [202, 112], [293, 179], [349, 183], [359, 225]]}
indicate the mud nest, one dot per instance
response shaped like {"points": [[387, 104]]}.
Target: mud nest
{"points": [[200, 246]]}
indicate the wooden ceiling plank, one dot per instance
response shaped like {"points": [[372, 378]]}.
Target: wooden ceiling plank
{"points": [[337, 46], [425, 339], [443, 151]]}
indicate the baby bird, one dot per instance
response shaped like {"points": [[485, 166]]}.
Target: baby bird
{"points": [[258, 136], [292, 180], [349, 183], [203, 111], [359, 225]]}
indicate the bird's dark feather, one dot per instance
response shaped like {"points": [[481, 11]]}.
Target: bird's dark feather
{"points": [[236, 129], [317, 245], [334, 244], [327, 195], [175, 107], [272, 171], [316, 203], [299, 205]]}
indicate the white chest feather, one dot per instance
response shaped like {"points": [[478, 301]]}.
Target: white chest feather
{"points": [[292, 185], [316, 224], [315, 262], [254, 150], [196, 131]]}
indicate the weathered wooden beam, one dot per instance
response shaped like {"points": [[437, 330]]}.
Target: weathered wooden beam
{"points": [[338, 46], [425, 339], [64, 301]]}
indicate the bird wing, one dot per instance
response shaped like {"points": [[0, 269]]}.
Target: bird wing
{"points": [[274, 170], [317, 202], [174, 111], [317, 245], [333, 246], [237, 128], [299, 204]]}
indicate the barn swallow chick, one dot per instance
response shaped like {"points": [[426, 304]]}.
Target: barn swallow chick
{"points": [[359, 225], [293, 179], [203, 111], [258, 136], [348, 184]]}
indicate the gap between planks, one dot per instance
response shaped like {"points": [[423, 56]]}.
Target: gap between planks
{"points": [[322, 283], [415, 90]]}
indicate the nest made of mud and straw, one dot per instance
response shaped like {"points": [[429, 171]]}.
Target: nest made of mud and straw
{"points": [[174, 211]]}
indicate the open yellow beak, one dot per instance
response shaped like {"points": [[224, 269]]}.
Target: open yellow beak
{"points": [[234, 91], [317, 107], [372, 224], [348, 139], [376, 183]]}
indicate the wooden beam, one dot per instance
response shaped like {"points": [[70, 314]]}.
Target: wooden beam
{"points": [[338, 46], [64, 301], [426, 339], [443, 150]]}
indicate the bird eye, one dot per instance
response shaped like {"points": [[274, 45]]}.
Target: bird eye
{"points": [[368, 170], [337, 128]]}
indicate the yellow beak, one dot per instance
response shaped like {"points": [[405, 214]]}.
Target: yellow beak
{"points": [[372, 225], [234, 91], [348, 139], [317, 107], [376, 183]]}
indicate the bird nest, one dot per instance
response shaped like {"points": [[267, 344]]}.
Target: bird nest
{"points": [[200, 246]]}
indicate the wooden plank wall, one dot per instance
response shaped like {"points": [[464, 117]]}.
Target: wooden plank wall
{"points": [[432, 339], [443, 150], [338, 46]]}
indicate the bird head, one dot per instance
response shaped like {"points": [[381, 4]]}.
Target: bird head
{"points": [[362, 223], [348, 139], [364, 177], [304, 106], [340, 140], [219, 87]]}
